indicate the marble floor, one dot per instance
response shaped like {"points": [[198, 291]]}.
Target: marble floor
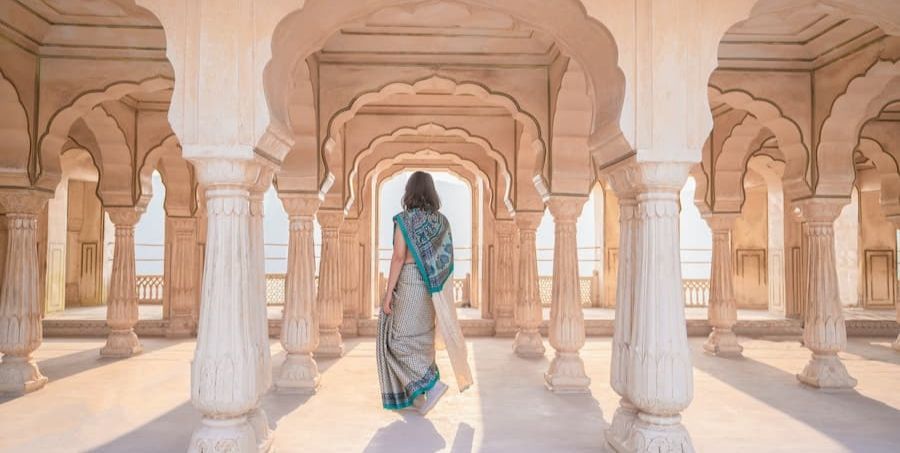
{"points": [[151, 312], [752, 404]]}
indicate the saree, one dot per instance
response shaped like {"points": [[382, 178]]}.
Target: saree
{"points": [[423, 306]]}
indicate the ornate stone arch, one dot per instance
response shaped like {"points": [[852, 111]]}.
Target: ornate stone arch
{"points": [[15, 137], [888, 172], [572, 123], [790, 137], [54, 138], [731, 164], [114, 156], [177, 176], [424, 130], [531, 130], [866, 95]]}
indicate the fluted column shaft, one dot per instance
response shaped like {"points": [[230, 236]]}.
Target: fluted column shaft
{"points": [[660, 377], [259, 309], [180, 278], [20, 294], [529, 313], [328, 297], [722, 308], [896, 344], [300, 324], [225, 376], [622, 181], [350, 275], [122, 302], [504, 310], [566, 373], [824, 332]]}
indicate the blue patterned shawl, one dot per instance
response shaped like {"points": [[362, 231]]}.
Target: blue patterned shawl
{"points": [[428, 238]]}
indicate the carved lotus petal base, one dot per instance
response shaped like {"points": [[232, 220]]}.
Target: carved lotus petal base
{"points": [[331, 344], [224, 436], [264, 436], [529, 344], [20, 375], [121, 343], [299, 374], [653, 434], [505, 327], [723, 343], [566, 374], [826, 372], [620, 428], [896, 344], [181, 327], [349, 327]]}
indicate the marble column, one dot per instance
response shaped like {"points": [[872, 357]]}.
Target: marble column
{"points": [[328, 297], [622, 182], [225, 373], [258, 307], [566, 373], [504, 309], [660, 376], [300, 324], [122, 302], [20, 294], [824, 332], [722, 307], [529, 313], [180, 285], [350, 275]]}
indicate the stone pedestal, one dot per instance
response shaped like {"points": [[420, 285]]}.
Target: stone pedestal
{"points": [[20, 294], [824, 331], [660, 376], [122, 303], [622, 181], [350, 276], [328, 298], [529, 313], [300, 325], [722, 307], [566, 373], [225, 376], [505, 279]]}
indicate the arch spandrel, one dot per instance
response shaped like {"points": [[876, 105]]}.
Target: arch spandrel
{"points": [[15, 137]]}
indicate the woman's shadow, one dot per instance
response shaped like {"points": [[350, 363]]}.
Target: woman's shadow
{"points": [[415, 433]]}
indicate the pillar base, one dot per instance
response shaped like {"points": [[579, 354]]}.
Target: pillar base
{"points": [[260, 423], [566, 374], [723, 343], [299, 374], [350, 327], [622, 423], [331, 344], [121, 343], [20, 375], [529, 344], [505, 327], [655, 434], [826, 371], [896, 344], [221, 435]]}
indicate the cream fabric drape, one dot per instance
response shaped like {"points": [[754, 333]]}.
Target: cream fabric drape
{"points": [[449, 336]]}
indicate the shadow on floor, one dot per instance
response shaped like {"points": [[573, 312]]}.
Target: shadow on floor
{"points": [[412, 433], [844, 416], [168, 432], [875, 349]]}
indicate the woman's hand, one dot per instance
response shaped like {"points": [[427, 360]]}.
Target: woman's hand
{"points": [[387, 302]]}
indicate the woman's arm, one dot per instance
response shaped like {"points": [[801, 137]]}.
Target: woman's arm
{"points": [[397, 260]]}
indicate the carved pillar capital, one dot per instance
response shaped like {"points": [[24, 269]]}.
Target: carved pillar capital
{"points": [[720, 222], [528, 220], [819, 210], [23, 201], [125, 216], [304, 205], [330, 218], [566, 209]]}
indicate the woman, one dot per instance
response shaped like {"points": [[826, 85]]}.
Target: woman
{"points": [[415, 303]]}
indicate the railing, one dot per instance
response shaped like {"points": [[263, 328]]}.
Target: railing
{"points": [[150, 289], [696, 292]]}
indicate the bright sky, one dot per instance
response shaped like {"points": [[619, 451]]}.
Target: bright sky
{"points": [[456, 198]]}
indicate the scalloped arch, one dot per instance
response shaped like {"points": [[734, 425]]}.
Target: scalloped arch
{"points": [[866, 95], [790, 138], [15, 138], [889, 174], [731, 164], [54, 138], [430, 130]]}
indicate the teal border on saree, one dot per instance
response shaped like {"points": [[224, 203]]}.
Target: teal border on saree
{"points": [[409, 401], [418, 260]]}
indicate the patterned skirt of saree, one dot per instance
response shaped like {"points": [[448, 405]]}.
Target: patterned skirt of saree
{"points": [[405, 348]]}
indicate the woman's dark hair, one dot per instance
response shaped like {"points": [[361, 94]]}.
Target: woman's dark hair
{"points": [[420, 193]]}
